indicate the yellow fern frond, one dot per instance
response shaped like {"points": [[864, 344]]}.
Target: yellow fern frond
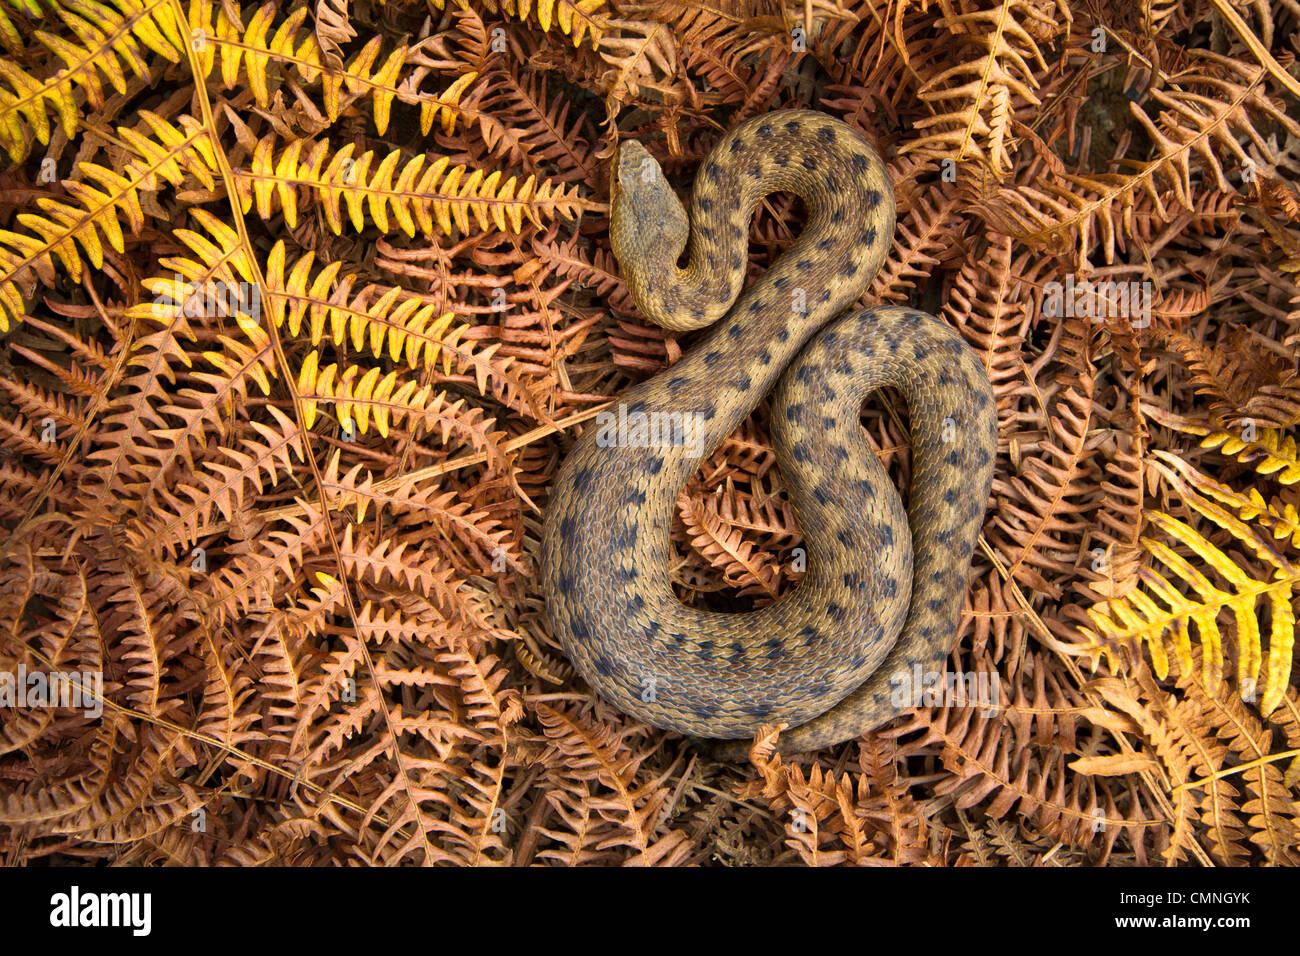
{"points": [[1159, 617], [110, 38], [292, 46], [415, 196], [99, 198], [576, 18], [1267, 452], [381, 319]]}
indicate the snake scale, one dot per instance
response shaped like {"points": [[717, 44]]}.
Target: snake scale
{"points": [[884, 585]]}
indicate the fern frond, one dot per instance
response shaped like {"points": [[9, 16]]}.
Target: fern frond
{"points": [[441, 193], [1160, 616]]}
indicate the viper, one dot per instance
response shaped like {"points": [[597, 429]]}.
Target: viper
{"points": [[882, 596]]}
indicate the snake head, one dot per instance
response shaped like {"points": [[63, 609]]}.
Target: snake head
{"points": [[648, 226]]}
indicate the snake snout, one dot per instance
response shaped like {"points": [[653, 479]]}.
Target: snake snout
{"points": [[648, 224]]}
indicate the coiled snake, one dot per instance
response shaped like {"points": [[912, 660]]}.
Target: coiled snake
{"points": [[826, 658]]}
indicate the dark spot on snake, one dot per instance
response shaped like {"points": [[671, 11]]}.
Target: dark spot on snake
{"points": [[605, 666], [765, 358], [792, 412], [756, 306], [821, 497], [634, 497], [774, 648], [715, 172], [826, 243], [800, 452], [781, 281], [845, 537], [839, 452], [792, 126], [983, 457], [735, 331], [708, 411], [706, 646], [705, 232], [950, 496], [849, 269], [954, 458], [765, 130], [756, 171], [868, 488], [581, 479], [828, 421], [656, 465], [737, 655], [697, 313], [636, 602], [826, 134], [869, 236], [565, 582], [809, 163], [782, 334], [946, 379], [889, 588], [759, 711], [803, 265], [860, 163], [936, 604], [638, 406], [651, 628], [835, 612], [781, 159], [676, 382], [825, 296], [943, 537], [737, 144], [743, 382], [829, 337], [712, 359], [704, 204], [874, 196], [837, 215], [566, 526], [805, 373], [912, 319], [886, 534], [809, 634]]}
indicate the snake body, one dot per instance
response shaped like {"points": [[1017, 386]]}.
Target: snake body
{"points": [[885, 585]]}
